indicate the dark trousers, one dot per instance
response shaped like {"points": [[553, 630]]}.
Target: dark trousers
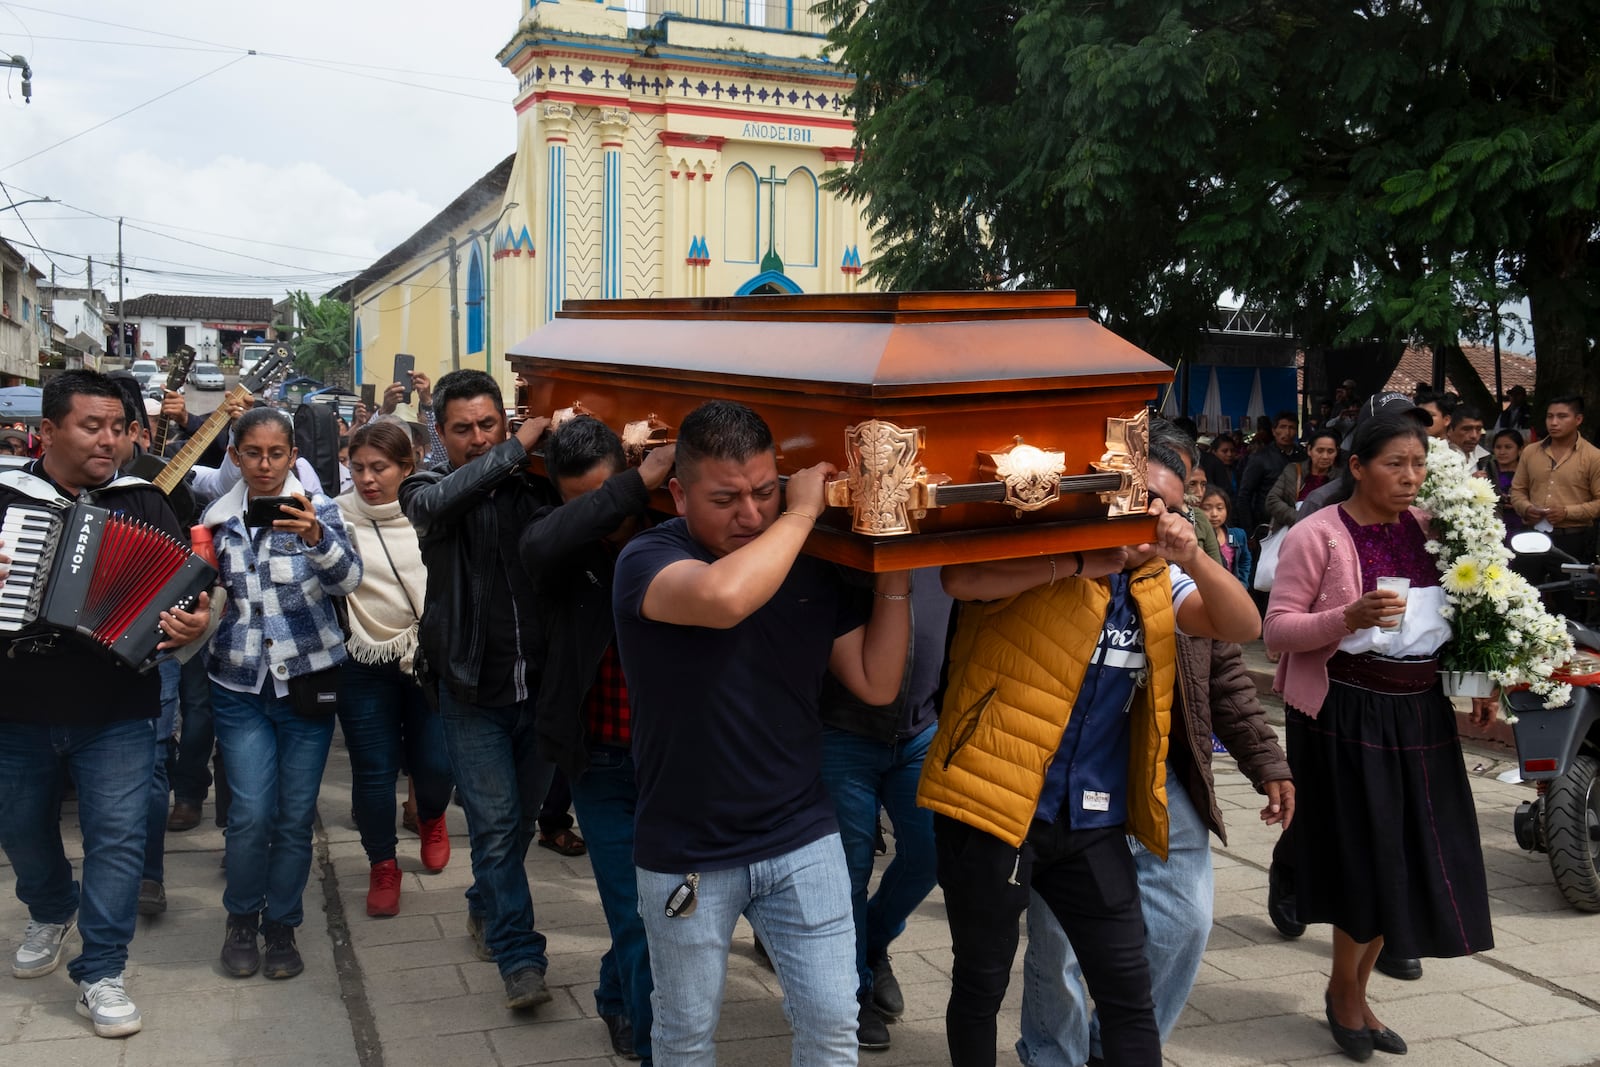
{"points": [[187, 770], [1087, 878]]}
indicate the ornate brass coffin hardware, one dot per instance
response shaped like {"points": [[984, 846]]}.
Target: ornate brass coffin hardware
{"points": [[888, 490], [641, 435], [562, 415], [1127, 448], [883, 483], [1031, 475]]}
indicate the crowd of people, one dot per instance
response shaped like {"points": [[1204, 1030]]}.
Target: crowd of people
{"points": [[730, 716]]}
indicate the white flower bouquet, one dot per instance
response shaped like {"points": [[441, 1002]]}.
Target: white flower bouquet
{"points": [[1501, 627]]}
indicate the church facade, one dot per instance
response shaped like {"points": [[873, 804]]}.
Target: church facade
{"points": [[676, 149]]}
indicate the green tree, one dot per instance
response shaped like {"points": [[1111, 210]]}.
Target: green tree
{"points": [[321, 338], [1155, 154]]}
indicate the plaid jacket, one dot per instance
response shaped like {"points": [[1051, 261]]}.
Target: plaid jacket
{"points": [[279, 592]]}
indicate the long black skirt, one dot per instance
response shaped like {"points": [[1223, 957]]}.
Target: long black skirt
{"points": [[1385, 831]]}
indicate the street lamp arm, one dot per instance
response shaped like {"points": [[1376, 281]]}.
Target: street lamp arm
{"points": [[19, 63], [35, 200]]}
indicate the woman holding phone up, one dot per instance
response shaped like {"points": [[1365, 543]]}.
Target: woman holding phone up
{"points": [[282, 557]]}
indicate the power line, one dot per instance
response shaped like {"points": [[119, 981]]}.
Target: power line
{"points": [[129, 111], [221, 49], [85, 215], [22, 220]]}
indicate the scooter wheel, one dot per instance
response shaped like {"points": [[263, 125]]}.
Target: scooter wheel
{"points": [[1572, 832]]}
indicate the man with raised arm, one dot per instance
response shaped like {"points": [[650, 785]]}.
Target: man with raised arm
{"points": [[725, 632]]}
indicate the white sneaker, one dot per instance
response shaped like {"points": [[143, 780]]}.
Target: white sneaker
{"points": [[40, 951], [106, 1004]]}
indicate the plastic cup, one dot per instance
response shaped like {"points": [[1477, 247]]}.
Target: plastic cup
{"points": [[1401, 586]]}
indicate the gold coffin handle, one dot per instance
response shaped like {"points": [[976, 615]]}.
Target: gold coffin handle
{"points": [[882, 483], [1127, 453], [1031, 475], [564, 415], [641, 435]]}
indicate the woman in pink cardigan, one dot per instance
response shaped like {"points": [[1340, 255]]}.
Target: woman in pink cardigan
{"points": [[1387, 844]]}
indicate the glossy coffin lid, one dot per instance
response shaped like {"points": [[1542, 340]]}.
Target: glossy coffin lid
{"points": [[972, 371]]}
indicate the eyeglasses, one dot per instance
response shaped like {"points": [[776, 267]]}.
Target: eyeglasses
{"points": [[276, 457]]}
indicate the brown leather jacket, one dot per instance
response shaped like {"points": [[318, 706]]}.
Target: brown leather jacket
{"points": [[1216, 693]]}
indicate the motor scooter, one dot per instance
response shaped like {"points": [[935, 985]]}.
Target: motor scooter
{"points": [[1558, 749]]}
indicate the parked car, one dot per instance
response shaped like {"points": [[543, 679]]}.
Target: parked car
{"points": [[147, 372], [207, 376]]}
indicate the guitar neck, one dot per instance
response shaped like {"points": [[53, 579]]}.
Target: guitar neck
{"points": [[159, 434], [192, 449]]}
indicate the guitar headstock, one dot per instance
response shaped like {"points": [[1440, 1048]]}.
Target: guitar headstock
{"points": [[181, 363], [274, 366]]}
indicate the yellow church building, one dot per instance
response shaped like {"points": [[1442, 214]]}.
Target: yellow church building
{"points": [[664, 148]]}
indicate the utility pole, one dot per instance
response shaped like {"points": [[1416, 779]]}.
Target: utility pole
{"points": [[455, 312], [91, 281], [122, 332]]}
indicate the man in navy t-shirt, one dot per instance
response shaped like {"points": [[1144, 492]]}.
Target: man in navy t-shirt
{"points": [[725, 633]]}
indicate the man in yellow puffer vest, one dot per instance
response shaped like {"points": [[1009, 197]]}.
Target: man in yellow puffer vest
{"points": [[1051, 746]]}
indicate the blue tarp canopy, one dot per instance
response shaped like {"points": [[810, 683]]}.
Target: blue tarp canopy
{"points": [[20, 402]]}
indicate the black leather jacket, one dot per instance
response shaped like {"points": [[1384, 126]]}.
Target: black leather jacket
{"points": [[451, 510], [572, 573]]}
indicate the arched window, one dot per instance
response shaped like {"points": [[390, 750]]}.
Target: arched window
{"points": [[800, 219], [475, 303], [741, 216]]}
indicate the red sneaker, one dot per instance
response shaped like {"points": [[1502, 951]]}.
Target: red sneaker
{"points": [[435, 843], [383, 890]]}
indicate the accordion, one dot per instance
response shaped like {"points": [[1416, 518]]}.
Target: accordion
{"points": [[86, 572]]}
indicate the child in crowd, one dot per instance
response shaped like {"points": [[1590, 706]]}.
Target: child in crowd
{"points": [[1235, 546]]}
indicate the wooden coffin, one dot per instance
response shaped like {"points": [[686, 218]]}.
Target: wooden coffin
{"points": [[965, 426]]}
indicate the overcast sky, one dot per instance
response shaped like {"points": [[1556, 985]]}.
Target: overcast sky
{"points": [[355, 123]]}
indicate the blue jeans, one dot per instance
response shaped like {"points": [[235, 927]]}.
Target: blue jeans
{"points": [[861, 774], [1176, 898], [605, 797], [155, 834], [275, 763], [799, 904], [111, 766], [197, 734], [387, 722], [495, 758]]}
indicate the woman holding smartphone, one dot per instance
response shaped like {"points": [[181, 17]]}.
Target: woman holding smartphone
{"points": [[282, 557]]}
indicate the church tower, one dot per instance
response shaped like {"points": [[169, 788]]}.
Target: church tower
{"points": [[672, 148]]}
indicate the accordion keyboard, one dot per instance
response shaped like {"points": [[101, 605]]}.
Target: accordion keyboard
{"points": [[29, 535]]}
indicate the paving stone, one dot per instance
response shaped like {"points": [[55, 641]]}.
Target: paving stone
{"points": [[1554, 1044]]}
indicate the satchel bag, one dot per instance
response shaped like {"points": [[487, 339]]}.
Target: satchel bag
{"points": [[315, 695], [421, 672], [1267, 561]]}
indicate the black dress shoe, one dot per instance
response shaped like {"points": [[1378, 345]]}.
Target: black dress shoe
{"points": [[1281, 903], [1401, 967], [1357, 1044], [621, 1031], [872, 1033], [1386, 1040]]}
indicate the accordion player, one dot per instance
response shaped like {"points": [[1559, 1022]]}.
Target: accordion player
{"points": [[95, 576]]}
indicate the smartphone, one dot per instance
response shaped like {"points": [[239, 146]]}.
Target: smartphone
{"points": [[264, 510], [404, 364], [369, 396]]}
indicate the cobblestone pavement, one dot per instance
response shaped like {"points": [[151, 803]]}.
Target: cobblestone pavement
{"points": [[408, 990]]}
